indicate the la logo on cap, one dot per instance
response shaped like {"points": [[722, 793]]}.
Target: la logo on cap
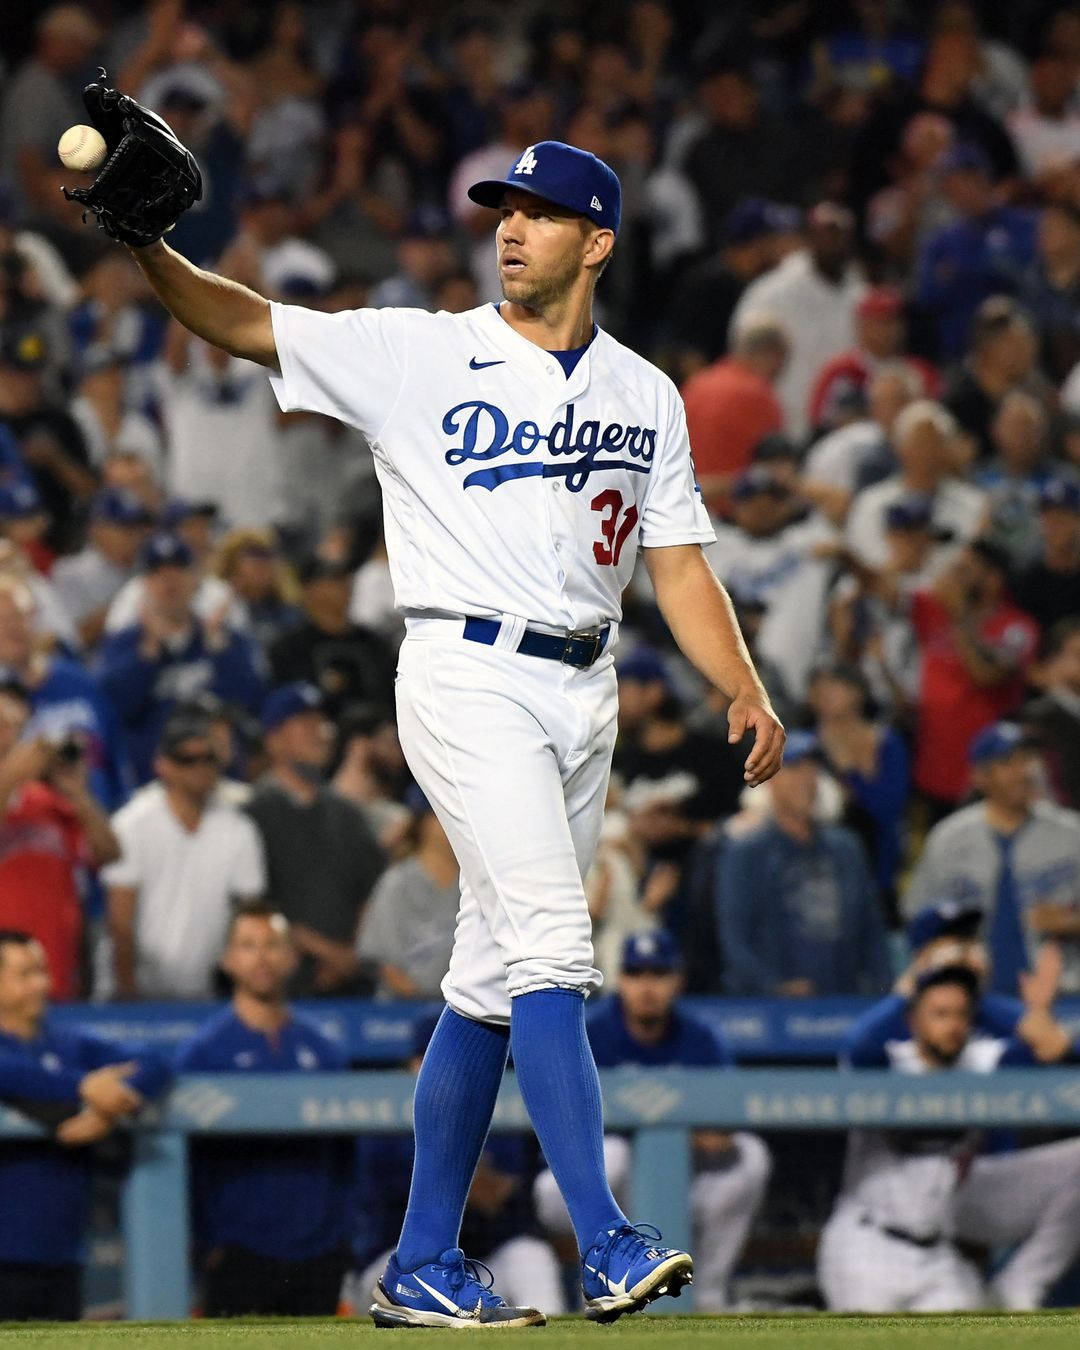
{"points": [[527, 163]]}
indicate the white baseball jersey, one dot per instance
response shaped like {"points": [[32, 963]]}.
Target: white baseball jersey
{"points": [[508, 488]]}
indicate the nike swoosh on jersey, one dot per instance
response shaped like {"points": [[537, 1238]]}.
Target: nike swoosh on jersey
{"points": [[619, 1288], [447, 1303], [474, 364]]}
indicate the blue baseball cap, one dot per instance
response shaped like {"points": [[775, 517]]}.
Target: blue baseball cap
{"points": [[643, 664], [562, 174], [1059, 493], [965, 157], [755, 480], [998, 741], [19, 500], [910, 513], [179, 509], [650, 951], [118, 506], [801, 745], [415, 799], [946, 918], [289, 701], [755, 218], [165, 550]]}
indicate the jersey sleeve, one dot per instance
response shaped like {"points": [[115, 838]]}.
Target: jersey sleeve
{"points": [[673, 511], [349, 365]]}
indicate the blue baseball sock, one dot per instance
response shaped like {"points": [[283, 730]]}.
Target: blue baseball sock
{"points": [[452, 1108], [556, 1073]]}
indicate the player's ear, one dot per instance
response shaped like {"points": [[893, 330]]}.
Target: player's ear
{"points": [[599, 247]]}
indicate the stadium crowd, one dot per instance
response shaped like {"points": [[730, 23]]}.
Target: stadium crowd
{"points": [[851, 234]]}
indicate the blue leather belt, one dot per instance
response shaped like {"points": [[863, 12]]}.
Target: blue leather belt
{"points": [[579, 649]]}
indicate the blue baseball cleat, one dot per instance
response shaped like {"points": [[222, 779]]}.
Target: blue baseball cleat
{"points": [[624, 1269], [447, 1293]]}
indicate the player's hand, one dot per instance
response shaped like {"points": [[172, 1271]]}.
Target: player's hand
{"points": [[106, 1091], [85, 1127], [753, 713]]}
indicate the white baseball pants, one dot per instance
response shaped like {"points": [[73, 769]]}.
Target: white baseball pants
{"points": [[514, 754]]}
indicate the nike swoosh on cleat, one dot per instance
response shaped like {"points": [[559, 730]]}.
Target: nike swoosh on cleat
{"points": [[619, 1288], [447, 1303], [474, 364]]}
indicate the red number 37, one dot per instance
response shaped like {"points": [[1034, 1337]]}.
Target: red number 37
{"points": [[606, 551]]}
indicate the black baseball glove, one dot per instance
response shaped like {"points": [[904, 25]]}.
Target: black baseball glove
{"points": [[149, 178]]}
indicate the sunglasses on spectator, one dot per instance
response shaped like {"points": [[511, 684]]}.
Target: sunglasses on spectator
{"points": [[191, 757]]}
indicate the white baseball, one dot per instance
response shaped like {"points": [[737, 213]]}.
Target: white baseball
{"points": [[82, 148]]}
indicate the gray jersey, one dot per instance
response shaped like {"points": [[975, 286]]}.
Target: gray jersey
{"points": [[410, 924], [962, 860], [87, 581]]}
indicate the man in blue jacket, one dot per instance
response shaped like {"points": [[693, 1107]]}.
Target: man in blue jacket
{"points": [[797, 907], [643, 1025], [271, 1213], [78, 1086], [171, 655]]}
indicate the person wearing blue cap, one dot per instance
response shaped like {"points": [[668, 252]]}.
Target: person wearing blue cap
{"points": [[87, 582], [985, 252], [643, 1024], [1013, 855], [524, 457], [1048, 587], [170, 653]]}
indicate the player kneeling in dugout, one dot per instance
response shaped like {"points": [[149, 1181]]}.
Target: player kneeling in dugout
{"points": [[917, 1205], [643, 1025]]}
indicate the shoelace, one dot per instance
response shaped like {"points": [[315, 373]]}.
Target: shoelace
{"points": [[463, 1271], [626, 1236]]}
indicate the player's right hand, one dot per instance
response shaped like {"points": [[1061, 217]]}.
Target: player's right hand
{"points": [[767, 754], [85, 1127]]}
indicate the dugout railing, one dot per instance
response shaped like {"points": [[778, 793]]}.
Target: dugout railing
{"points": [[659, 1107]]}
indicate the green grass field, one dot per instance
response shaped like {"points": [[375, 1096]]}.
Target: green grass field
{"points": [[1050, 1330]]}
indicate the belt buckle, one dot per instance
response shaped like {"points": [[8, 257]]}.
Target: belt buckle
{"points": [[593, 635]]}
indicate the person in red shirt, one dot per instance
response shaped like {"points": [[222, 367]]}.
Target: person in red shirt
{"points": [[730, 406], [975, 646], [880, 335], [52, 831]]}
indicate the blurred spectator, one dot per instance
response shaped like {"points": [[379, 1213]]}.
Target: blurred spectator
{"points": [[870, 761], [88, 581], [288, 125], [1048, 588], [909, 1200], [301, 818], [1000, 81], [1012, 855], [644, 683], [186, 861], [270, 1214], [880, 339], [903, 214], [1052, 288], [1013, 479], [41, 102], [796, 902], [121, 442], [425, 255], [52, 832], [1054, 719], [697, 318], [348, 663], [730, 405], [408, 925], [210, 399], [371, 769], [78, 1086], [766, 555], [613, 886], [249, 561], [194, 523], [923, 438], [372, 604], [498, 1225], [976, 647], [1001, 357], [1046, 127], [24, 522], [171, 654], [49, 439], [986, 252], [812, 293], [860, 453], [65, 698], [643, 1025]]}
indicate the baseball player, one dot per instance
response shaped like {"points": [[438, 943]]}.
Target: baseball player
{"points": [[524, 456], [909, 1197]]}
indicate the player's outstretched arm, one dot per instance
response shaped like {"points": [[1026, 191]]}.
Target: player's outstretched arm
{"points": [[699, 613], [212, 307]]}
